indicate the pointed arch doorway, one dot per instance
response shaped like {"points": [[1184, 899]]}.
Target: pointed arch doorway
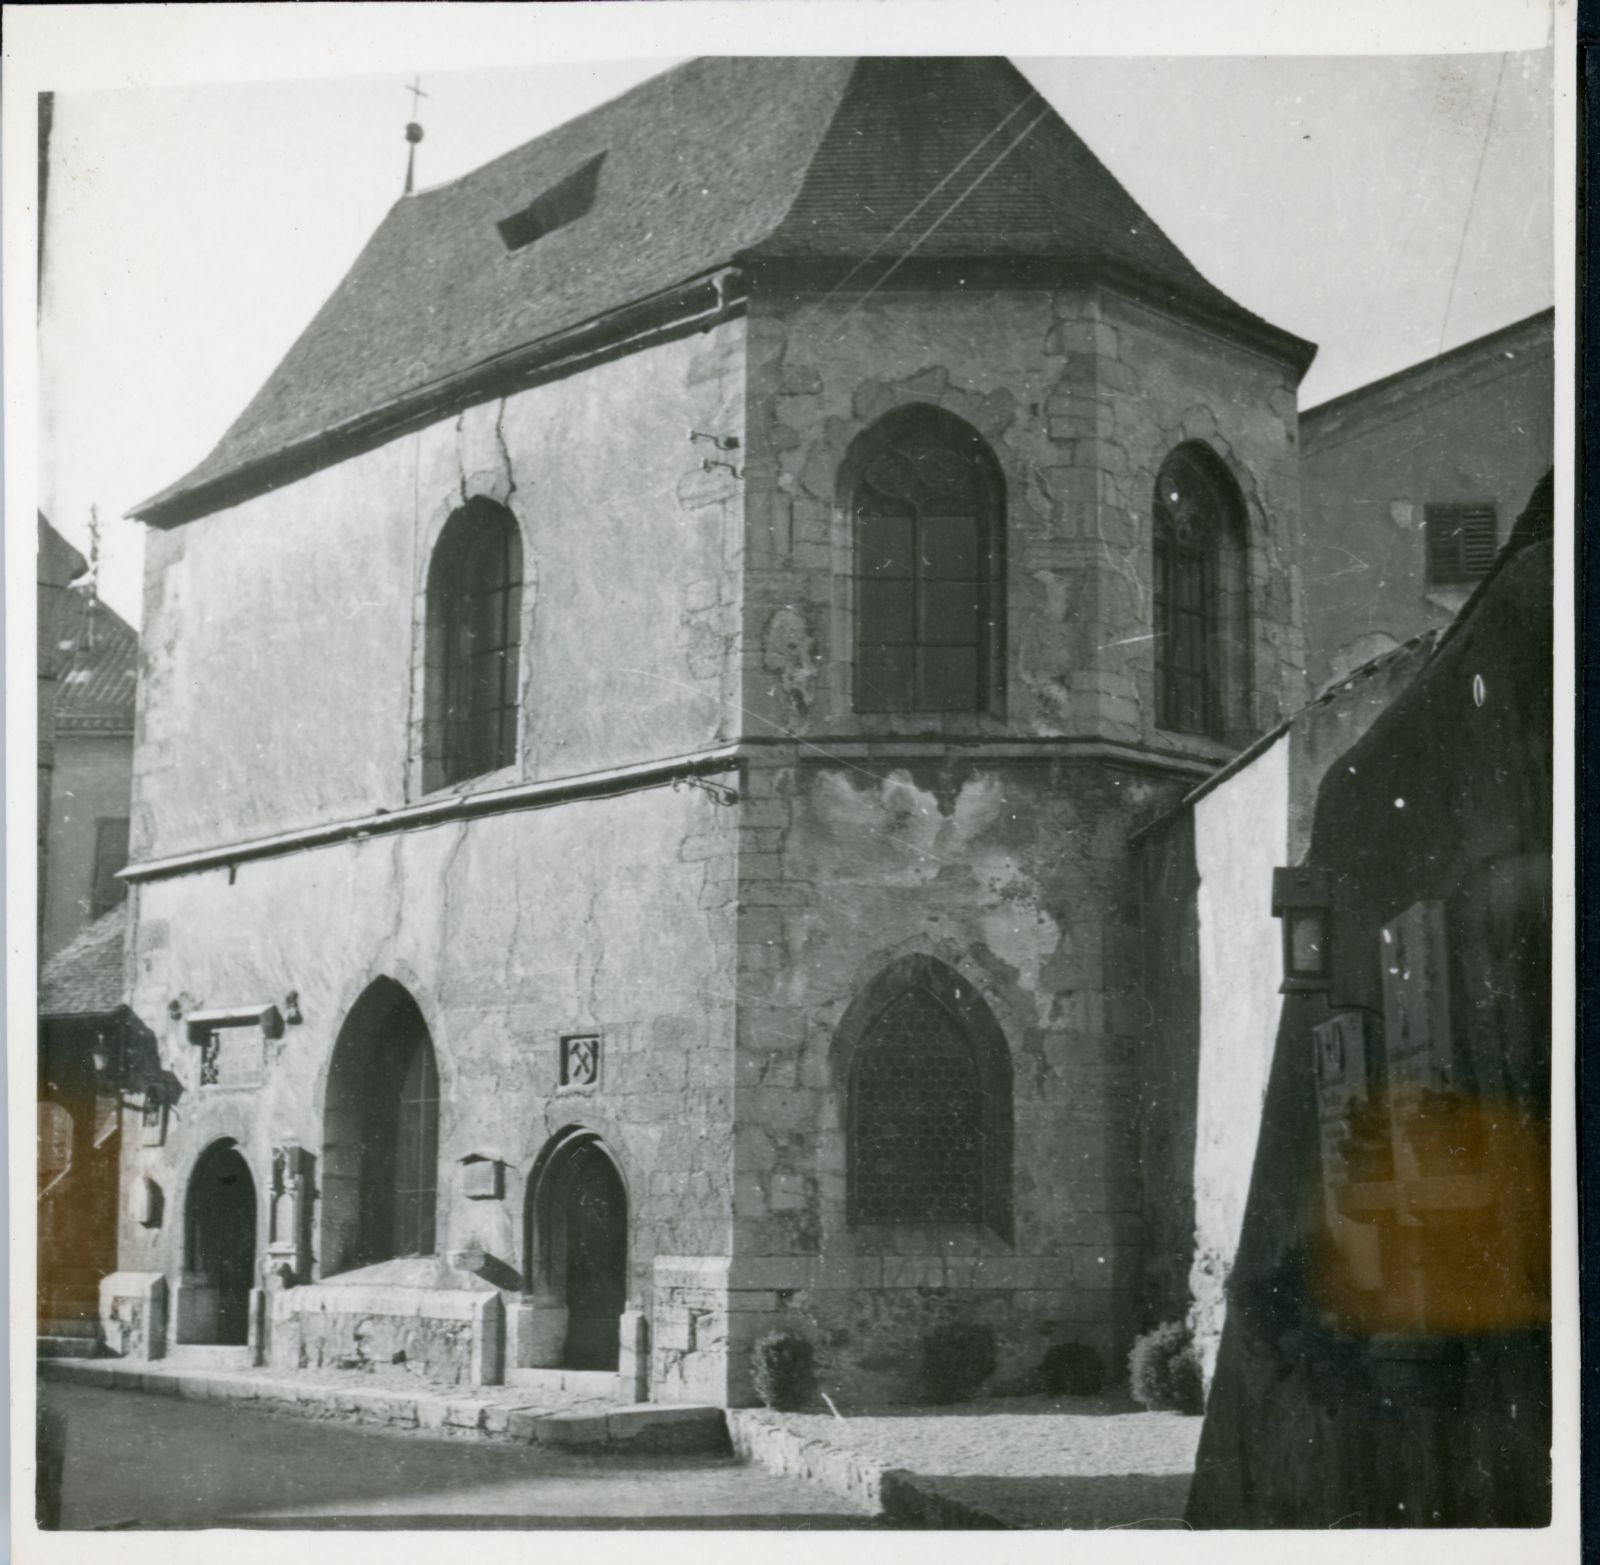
{"points": [[220, 1245], [577, 1245]]}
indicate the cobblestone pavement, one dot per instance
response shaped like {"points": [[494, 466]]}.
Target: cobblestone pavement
{"points": [[153, 1462], [1077, 1462]]}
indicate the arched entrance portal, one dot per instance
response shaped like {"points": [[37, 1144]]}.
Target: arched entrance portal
{"points": [[220, 1245], [578, 1244]]}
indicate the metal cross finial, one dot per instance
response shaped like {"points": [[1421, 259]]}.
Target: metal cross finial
{"points": [[413, 132]]}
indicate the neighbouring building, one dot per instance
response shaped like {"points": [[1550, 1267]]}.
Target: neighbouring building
{"points": [[1386, 1354], [1410, 486], [92, 780], [1213, 964], [643, 727], [88, 672], [57, 564], [84, 1037]]}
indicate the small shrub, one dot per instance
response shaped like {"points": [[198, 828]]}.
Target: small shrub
{"points": [[957, 1358], [1164, 1370], [784, 1370], [1072, 1369]]}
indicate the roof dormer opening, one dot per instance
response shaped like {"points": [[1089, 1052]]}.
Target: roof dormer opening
{"points": [[564, 202]]}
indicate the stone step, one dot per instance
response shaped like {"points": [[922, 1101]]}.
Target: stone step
{"points": [[640, 1427], [596, 1384], [207, 1355], [67, 1347]]}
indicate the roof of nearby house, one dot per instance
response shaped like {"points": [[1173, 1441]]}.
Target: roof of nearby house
{"points": [[58, 562], [100, 667], [716, 161], [1489, 352], [85, 977]]}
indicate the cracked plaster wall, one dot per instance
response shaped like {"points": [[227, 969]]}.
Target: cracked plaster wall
{"points": [[1081, 397], [282, 649], [281, 689], [1012, 868], [1016, 876], [509, 931]]}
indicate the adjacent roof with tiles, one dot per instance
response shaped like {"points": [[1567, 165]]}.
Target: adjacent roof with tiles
{"points": [[99, 667], [719, 161], [85, 978]]}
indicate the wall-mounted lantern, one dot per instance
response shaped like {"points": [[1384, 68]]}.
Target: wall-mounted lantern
{"points": [[1302, 899]]}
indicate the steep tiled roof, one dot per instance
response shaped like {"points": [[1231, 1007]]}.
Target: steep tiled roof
{"points": [[85, 977], [719, 159], [58, 561], [99, 668]]}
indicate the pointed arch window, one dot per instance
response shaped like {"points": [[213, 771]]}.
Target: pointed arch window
{"points": [[929, 1102], [474, 644], [926, 503], [1200, 640], [380, 1155]]}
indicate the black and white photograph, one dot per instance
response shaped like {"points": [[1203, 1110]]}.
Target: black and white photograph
{"points": [[799, 768]]}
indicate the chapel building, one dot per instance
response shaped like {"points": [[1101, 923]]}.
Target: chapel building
{"points": [[641, 725]]}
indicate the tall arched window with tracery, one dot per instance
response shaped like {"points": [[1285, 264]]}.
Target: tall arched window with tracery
{"points": [[927, 505], [1201, 646], [928, 1085], [474, 642]]}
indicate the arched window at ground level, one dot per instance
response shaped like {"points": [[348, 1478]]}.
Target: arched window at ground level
{"points": [[926, 1074]]}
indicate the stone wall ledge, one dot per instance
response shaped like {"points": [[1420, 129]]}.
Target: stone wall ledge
{"points": [[864, 1484], [333, 1298]]}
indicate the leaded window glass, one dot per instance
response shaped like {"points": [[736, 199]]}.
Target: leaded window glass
{"points": [[475, 617], [919, 1111], [926, 510], [1191, 521], [416, 1155]]}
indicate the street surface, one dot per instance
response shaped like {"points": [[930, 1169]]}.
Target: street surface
{"points": [[139, 1461]]}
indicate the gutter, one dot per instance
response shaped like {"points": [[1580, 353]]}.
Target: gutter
{"points": [[445, 811], [699, 304], [615, 781]]}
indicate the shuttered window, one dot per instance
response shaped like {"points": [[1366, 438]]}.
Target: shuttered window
{"points": [[1462, 541]]}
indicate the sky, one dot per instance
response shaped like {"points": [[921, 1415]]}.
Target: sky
{"points": [[1385, 207]]}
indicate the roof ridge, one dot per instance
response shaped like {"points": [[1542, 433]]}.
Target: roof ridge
{"points": [[713, 162]]}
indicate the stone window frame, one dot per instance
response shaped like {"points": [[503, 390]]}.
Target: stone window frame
{"points": [[957, 995], [1217, 542], [891, 428]]}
